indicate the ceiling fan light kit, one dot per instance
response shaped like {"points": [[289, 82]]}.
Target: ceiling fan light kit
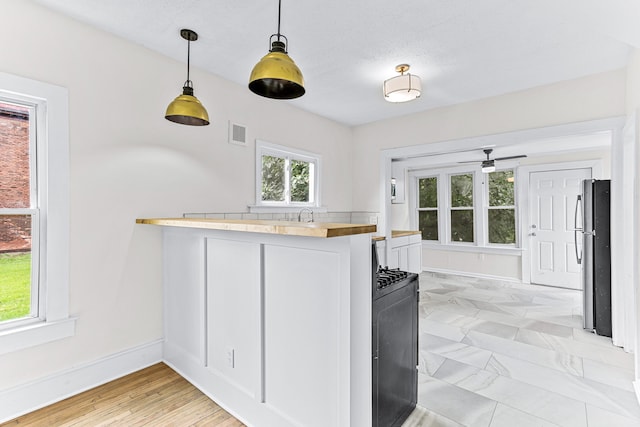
{"points": [[402, 88], [276, 76], [488, 166], [186, 109]]}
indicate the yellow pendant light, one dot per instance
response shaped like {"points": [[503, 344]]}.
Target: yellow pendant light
{"points": [[186, 109], [276, 76]]}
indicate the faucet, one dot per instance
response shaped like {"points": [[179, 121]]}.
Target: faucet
{"points": [[305, 210]]}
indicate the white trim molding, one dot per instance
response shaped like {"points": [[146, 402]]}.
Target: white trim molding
{"points": [[25, 398], [25, 336], [52, 118], [468, 274], [287, 153]]}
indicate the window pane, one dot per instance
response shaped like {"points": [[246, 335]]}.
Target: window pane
{"points": [[462, 226], [15, 266], [272, 179], [502, 226], [15, 189], [428, 192], [299, 181], [501, 188], [462, 190], [428, 224]]}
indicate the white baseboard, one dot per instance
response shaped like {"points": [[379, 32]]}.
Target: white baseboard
{"points": [[636, 387], [468, 274], [25, 398]]}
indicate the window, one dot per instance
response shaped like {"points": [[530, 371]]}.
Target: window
{"points": [[286, 177], [19, 214], [428, 207], [465, 208], [34, 213], [501, 209], [461, 192]]}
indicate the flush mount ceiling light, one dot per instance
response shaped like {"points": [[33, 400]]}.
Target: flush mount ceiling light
{"points": [[276, 76], [186, 109], [402, 88]]}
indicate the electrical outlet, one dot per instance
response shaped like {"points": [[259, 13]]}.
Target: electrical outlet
{"points": [[373, 219], [231, 357]]}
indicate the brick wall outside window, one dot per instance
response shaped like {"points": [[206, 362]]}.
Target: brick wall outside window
{"points": [[15, 230]]}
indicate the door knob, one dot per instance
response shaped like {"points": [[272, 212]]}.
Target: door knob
{"points": [[532, 234], [533, 226]]}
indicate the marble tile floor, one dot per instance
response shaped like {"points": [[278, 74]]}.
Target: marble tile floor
{"points": [[502, 354]]}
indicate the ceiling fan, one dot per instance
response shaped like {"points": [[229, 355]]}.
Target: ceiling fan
{"points": [[489, 165]]}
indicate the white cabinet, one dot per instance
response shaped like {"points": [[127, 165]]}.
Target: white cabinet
{"points": [[381, 246], [277, 329], [406, 253], [414, 255]]}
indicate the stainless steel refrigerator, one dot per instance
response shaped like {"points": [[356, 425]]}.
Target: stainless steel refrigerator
{"points": [[593, 252]]}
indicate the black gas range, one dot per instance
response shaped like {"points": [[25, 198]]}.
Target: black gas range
{"points": [[387, 280], [394, 344]]}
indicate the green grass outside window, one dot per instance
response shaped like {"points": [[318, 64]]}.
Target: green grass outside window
{"points": [[15, 285]]}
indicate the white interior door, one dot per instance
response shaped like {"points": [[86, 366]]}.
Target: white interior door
{"points": [[553, 196]]}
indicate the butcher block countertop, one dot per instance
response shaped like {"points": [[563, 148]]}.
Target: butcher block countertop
{"points": [[398, 233], [289, 228]]}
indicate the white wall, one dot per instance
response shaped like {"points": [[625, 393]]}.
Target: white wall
{"points": [[594, 97], [589, 98], [127, 161]]}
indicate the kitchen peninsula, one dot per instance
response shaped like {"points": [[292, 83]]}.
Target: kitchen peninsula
{"points": [[271, 319]]}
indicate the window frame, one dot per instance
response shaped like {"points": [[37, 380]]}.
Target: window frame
{"points": [[472, 208], [429, 209], [274, 150], [51, 121], [480, 208], [35, 307], [514, 207]]}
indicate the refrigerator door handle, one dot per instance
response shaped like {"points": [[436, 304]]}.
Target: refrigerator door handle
{"points": [[576, 230]]}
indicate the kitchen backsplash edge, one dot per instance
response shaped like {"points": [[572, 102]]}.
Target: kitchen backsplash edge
{"points": [[357, 217]]}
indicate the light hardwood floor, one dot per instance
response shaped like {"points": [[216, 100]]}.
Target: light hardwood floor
{"points": [[155, 396]]}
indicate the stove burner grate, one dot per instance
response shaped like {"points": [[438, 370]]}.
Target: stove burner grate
{"points": [[388, 276]]}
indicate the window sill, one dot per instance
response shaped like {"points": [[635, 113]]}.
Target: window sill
{"points": [[476, 249], [35, 334]]}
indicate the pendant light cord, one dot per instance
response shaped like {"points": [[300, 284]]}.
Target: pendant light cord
{"points": [[188, 82], [279, 9]]}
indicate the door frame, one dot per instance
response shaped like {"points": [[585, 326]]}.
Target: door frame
{"points": [[524, 204]]}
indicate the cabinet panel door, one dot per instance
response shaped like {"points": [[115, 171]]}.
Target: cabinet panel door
{"points": [[414, 254], [382, 253], [233, 312], [403, 263], [184, 292], [394, 258], [302, 304]]}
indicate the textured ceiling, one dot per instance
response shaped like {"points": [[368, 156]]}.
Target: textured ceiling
{"points": [[462, 49]]}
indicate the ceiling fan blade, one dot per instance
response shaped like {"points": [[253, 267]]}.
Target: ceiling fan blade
{"points": [[472, 161], [511, 157]]}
